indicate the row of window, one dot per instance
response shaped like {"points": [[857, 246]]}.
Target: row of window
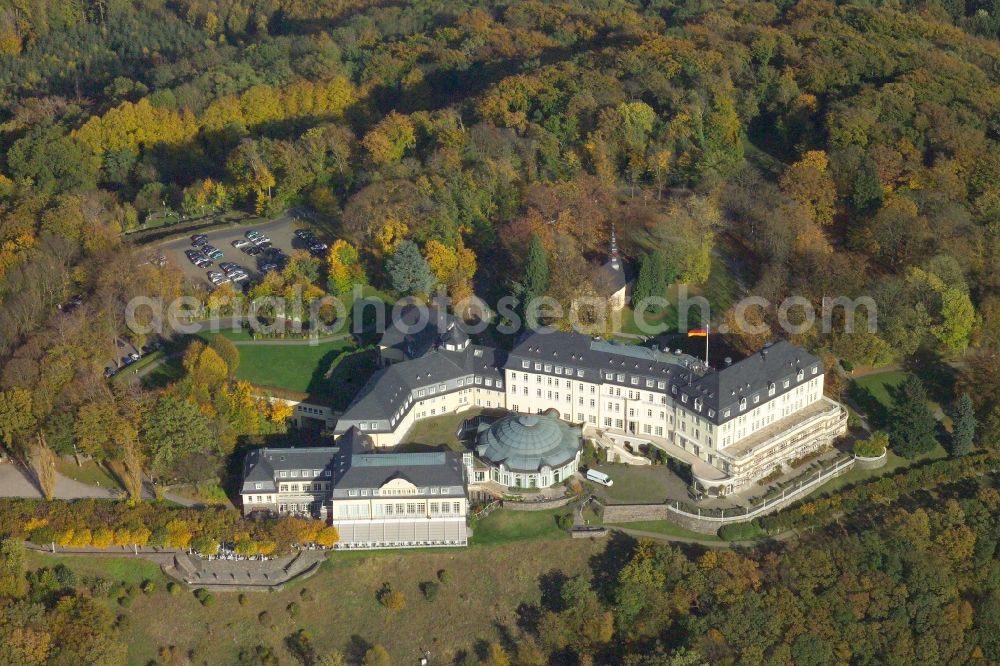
{"points": [[374, 492], [305, 487], [305, 473]]}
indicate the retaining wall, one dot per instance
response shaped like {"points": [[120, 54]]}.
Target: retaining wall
{"points": [[539, 505], [630, 513], [871, 463]]}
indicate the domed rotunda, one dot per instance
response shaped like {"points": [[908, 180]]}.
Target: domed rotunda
{"points": [[529, 450]]}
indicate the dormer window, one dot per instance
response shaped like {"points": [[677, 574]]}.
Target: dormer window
{"points": [[785, 384], [525, 364], [771, 388], [684, 398], [815, 369], [743, 403], [800, 376], [697, 404], [756, 399]]}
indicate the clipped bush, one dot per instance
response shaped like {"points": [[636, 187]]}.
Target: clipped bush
{"points": [[148, 587], [740, 531], [392, 600], [174, 588], [242, 599], [208, 600], [564, 521], [306, 594], [430, 589], [293, 609], [444, 576], [265, 619]]}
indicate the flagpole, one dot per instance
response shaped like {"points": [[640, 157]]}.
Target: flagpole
{"points": [[706, 343]]}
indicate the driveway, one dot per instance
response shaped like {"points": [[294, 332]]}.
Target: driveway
{"points": [[15, 483], [280, 231]]}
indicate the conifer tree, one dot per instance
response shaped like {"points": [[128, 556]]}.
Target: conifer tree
{"points": [[536, 271], [912, 424], [964, 430]]}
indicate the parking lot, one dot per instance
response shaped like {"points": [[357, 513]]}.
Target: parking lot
{"points": [[281, 233]]}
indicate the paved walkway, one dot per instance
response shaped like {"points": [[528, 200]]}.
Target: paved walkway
{"points": [[14, 482]]}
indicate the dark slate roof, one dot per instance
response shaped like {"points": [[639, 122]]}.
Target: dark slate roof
{"points": [[755, 375], [405, 333], [716, 390], [388, 389], [357, 469], [262, 465], [610, 278], [592, 357]]}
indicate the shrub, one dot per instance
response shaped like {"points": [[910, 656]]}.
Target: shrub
{"points": [[430, 589], [98, 586], [242, 599], [208, 600], [564, 521], [740, 531], [393, 600], [174, 588], [306, 594], [846, 365], [265, 619], [444, 576], [873, 447], [293, 609], [200, 594], [148, 587]]}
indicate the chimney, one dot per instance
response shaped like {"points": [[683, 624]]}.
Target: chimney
{"points": [[728, 361]]}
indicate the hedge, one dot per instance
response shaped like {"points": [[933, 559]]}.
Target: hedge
{"points": [[883, 490], [103, 523]]}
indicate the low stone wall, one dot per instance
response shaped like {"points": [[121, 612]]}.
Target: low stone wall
{"points": [[588, 532], [630, 513], [539, 505], [871, 463]]}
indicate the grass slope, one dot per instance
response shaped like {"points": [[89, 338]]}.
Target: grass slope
{"points": [[478, 603]]}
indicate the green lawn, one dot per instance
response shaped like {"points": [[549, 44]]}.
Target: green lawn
{"points": [[645, 484], [506, 525], [438, 431], [893, 464], [126, 569], [667, 528], [484, 586], [129, 371], [879, 385], [89, 472]]}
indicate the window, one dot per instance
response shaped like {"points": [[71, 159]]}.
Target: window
{"points": [[352, 493], [548, 368], [771, 388], [441, 387], [364, 426], [421, 393], [258, 486], [283, 474], [525, 364]]}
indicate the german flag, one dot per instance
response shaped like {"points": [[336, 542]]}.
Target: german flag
{"points": [[698, 333]]}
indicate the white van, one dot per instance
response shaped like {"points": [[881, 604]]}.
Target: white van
{"points": [[599, 477]]}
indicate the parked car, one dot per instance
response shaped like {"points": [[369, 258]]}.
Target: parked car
{"points": [[253, 250], [240, 243], [199, 239], [238, 276], [261, 239], [217, 278], [599, 477], [304, 233], [193, 255], [213, 252], [268, 267], [252, 234], [109, 372]]}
